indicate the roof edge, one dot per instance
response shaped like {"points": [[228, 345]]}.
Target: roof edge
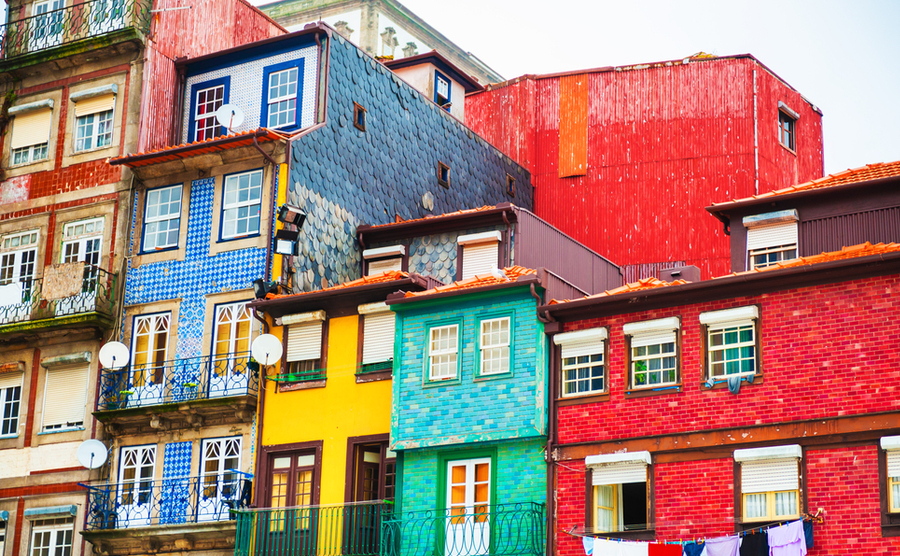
{"points": [[400, 298], [445, 65], [134, 158]]}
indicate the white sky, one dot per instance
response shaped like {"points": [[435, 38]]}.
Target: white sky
{"points": [[843, 56]]}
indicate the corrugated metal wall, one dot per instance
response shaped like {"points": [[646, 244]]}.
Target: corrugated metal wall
{"points": [[662, 143], [573, 125], [834, 232]]}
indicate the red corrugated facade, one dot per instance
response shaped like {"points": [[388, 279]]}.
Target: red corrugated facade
{"points": [[663, 141], [208, 26]]}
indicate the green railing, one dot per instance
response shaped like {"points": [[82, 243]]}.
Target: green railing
{"points": [[72, 23], [326, 530], [516, 529], [96, 295]]}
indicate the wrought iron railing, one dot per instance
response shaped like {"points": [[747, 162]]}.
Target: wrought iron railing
{"points": [[502, 529], [72, 23], [98, 288], [327, 530], [144, 503], [179, 380]]}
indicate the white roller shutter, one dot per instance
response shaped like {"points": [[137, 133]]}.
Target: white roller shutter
{"points": [[377, 267], [771, 235], [620, 473], [769, 475], [479, 259], [893, 463], [378, 337], [10, 380], [581, 342], [653, 338], [31, 128], [94, 105], [64, 396], [304, 341]]}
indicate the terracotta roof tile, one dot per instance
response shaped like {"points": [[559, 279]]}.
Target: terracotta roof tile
{"points": [[384, 277], [477, 281], [868, 172], [644, 284], [166, 154], [431, 217], [853, 252]]}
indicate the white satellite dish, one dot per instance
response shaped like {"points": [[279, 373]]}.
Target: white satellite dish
{"points": [[266, 349], [229, 116], [114, 355], [92, 454]]}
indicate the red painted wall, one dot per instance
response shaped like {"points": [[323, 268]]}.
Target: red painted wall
{"points": [[663, 143]]}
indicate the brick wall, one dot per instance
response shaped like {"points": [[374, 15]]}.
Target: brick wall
{"points": [[825, 351]]}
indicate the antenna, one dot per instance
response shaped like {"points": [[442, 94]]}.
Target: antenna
{"points": [[266, 349], [229, 116], [114, 355], [92, 454]]}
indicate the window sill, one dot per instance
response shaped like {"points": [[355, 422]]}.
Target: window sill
{"points": [[788, 149], [374, 376], [654, 391], [57, 431], [155, 251], [643, 535], [890, 530], [8, 436], [309, 385], [579, 400], [94, 150], [757, 379], [27, 164], [237, 238], [493, 376], [446, 382]]}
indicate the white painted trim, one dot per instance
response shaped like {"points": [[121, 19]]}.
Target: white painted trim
{"points": [[599, 334], [632, 328], [384, 251], [372, 308], [890, 443], [303, 317], [775, 452], [625, 457], [730, 315], [483, 237]]}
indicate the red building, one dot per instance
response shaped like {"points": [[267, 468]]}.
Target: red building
{"points": [[691, 410], [623, 159]]}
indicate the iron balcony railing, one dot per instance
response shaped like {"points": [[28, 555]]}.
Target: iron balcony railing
{"points": [[97, 295], [502, 529], [179, 380], [144, 503], [327, 530], [65, 25]]}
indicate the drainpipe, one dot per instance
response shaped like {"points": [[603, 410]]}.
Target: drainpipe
{"points": [[509, 241], [260, 410]]}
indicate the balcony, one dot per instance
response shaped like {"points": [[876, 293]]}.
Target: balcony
{"points": [[503, 529], [327, 530], [179, 393], [70, 295], [72, 30], [189, 513]]}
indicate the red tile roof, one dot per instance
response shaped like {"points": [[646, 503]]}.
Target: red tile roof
{"points": [[478, 281], [866, 173], [644, 284], [431, 217], [384, 277], [205, 146], [853, 252]]}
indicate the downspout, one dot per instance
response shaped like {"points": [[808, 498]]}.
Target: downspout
{"points": [[509, 241], [755, 141], [260, 410]]}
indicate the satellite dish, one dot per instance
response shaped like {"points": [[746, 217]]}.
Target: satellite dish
{"points": [[266, 349], [229, 116], [92, 454], [114, 355]]}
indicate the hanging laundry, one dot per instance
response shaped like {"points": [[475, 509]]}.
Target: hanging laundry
{"points": [[695, 549], [808, 533], [723, 546], [787, 540], [665, 549], [755, 544], [605, 547], [588, 543]]}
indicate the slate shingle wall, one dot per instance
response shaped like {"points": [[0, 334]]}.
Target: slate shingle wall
{"points": [[344, 177]]}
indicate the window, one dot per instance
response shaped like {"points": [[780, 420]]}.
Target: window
{"points": [[443, 174], [619, 488], [480, 253], [2, 536], [149, 351], [232, 334], [292, 482], [731, 337], [10, 397], [82, 242], [359, 117], [64, 398], [510, 185], [137, 470], [242, 202], [218, 481], [583, 356], [47, 25], [162, 218], [468, 506], [282, 98], [770, 482], [653, 353], [31, 132], [494, 343], [303, 359], [442, 351], [786, 127], [771, 238], [378, 337], [52, 536], [207, 102], [94, 122], [442, 90], [383, 259], [891, 447], [17, 260]]}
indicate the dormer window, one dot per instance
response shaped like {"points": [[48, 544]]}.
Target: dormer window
{"points": [[442, 90], [208, 101], [282, 98], [771, 238], [384, 259], [480, 253]]}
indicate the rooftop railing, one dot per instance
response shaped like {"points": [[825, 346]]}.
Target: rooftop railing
{"points": [[326, 530], [27, 300], [65, 25], [179, 380], [502, 529]]}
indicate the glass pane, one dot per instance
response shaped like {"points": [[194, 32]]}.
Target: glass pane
{"points": [[755, 505]]}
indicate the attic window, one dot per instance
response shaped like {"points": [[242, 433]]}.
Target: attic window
{"points": [[383, 259], [359, 117], [787, 123], [442, 91], [510, 185], [443, 174]]}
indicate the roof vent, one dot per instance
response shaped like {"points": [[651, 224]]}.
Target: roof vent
{"points": [[688, 273]]}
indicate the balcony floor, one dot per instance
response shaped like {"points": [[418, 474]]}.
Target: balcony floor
{"points": [[179, 415], [210, 538]]}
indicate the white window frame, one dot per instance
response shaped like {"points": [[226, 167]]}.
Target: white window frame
{"points": [[585, 351], [217, 482], [472, 245], [493, 354], [33, 153], [57, 529], [68, 425], [171, 218], [86, 247], [653, 336], [11, 406], [771, 234], [779, 463], [231, 210], [13, 266], [209, 115], [91, 140], [443, 363], [731, 321], [138, 488], [232, 315], [275, 103]]}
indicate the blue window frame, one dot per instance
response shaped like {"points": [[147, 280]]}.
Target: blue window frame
{"points": [[162, 219], [282, 95], [205, 99], [443, 88], [241, 205]]}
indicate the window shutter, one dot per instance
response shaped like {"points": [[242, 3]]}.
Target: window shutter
{"points": [[771, 235], [304, 341], [10, 380], [620, 473], [378, 337], [94, 105], [64, 396], [31, 128], [769, 475], [653, 338], [588, 346], [893, 463], [377, 267], [479, 259]]}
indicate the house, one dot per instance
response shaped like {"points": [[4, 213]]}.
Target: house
{"points": [[624, 157], [727, 405], [437, 78]]}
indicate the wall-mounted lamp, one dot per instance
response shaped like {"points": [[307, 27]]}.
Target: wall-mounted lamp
{"points": [[290, 214], [286, 242]]}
